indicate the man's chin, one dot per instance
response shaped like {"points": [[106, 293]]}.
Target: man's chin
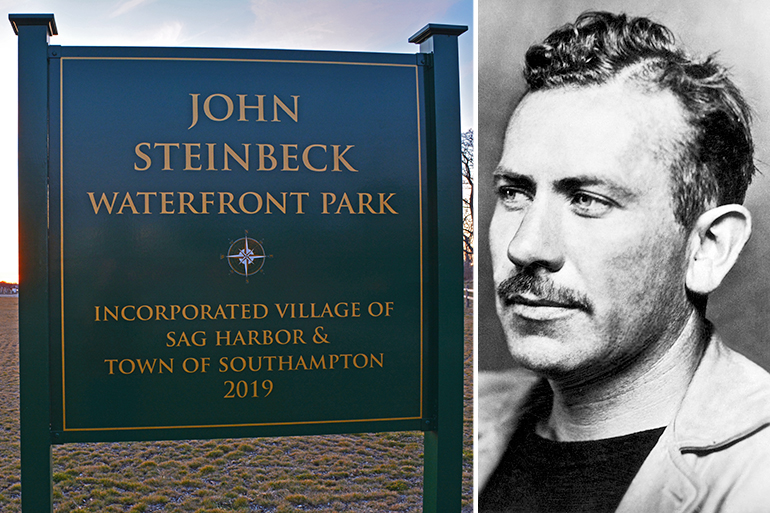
{"points": [[546, 356]]}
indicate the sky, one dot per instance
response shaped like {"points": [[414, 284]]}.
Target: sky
{"points": [[344, 25]]}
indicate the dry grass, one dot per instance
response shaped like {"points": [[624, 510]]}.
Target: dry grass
{"points": [[358, 473]]}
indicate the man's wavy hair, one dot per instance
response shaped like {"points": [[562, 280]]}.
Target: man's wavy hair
{"points": [[715, 161]]}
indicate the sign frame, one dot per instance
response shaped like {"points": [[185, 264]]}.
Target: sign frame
{"points": [[441, 420], [60, 59]]}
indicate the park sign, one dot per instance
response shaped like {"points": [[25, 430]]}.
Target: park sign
{"points": [[239, 247], [228, 243]]}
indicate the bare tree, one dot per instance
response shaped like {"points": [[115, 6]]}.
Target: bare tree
{"points": [[467, 170]]}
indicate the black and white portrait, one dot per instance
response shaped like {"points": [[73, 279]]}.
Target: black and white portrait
{"points": [[624, 258]]}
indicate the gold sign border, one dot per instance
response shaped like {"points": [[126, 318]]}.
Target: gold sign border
{"points": [[61, 238]]}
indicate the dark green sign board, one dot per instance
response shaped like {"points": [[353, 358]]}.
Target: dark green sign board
{"points": [[239, 238], [238, 243]]}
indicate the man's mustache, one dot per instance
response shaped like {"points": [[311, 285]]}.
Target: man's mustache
{"points": [[531, 288]]}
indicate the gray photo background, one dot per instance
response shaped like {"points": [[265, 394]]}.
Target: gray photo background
{"points": [[740, 32]]}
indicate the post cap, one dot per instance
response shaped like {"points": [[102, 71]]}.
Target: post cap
{"points": [[17, 20], [435, 29]]}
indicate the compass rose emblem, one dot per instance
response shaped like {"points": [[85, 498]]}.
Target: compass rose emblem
{"points": [[246, 256]]}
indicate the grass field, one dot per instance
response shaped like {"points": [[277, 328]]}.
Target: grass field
{"points": [[357, 473]]}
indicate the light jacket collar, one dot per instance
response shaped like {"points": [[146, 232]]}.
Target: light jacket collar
{"points": [[706, 420]]}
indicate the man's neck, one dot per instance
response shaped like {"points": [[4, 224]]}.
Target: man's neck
{"points": [[629, 402]]}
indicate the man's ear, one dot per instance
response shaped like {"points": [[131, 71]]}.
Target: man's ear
{"points": [[715, 243]]}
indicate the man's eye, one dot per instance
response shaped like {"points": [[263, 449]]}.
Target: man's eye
{"points": [[589, 205], [512, 197]]}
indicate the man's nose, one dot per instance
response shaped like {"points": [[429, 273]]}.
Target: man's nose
{"points": [[538, 240]]}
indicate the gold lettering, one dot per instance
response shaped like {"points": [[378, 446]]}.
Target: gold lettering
{"points": [[282, 312], [114, 314], [164, 202], [259, 106], [339, 157], [220, 311], [207, 106], [278, 103], [103, 201], [263, 312], [166, 154], [142, 155], [194, 315], [210, 152], [283, 337], [206, 202], [160, 310], [242, 204], [127, 201], [122, 370], [362, 203], [242, 365], [244, 162], [139, 312], [147, 365], [226, 338], [299, 196], [202, 365], [281, 362], [270, 199], [194, 109], [146, 200], [185, 200], [123, 313], [326, 202], [306, 158], [269, 155], [287, 156], [228, 203], [345, 202], [384, 203], [184, 365], [189, 155], [355, 361]]}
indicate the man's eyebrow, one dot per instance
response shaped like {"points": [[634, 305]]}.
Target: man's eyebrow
{"points": [[575, 183], [505, 173]]}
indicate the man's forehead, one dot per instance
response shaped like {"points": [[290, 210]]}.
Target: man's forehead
{"points": [[594, 125], [651, 110]]}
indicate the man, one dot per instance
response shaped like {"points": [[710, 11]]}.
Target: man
{"points": [[618, 212]]}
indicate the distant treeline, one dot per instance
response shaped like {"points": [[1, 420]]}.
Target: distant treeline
{"points": [[9, 288]]}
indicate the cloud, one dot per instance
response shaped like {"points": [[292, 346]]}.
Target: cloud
{"points": [[339, 24], [127, 5], [168, 34]]}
